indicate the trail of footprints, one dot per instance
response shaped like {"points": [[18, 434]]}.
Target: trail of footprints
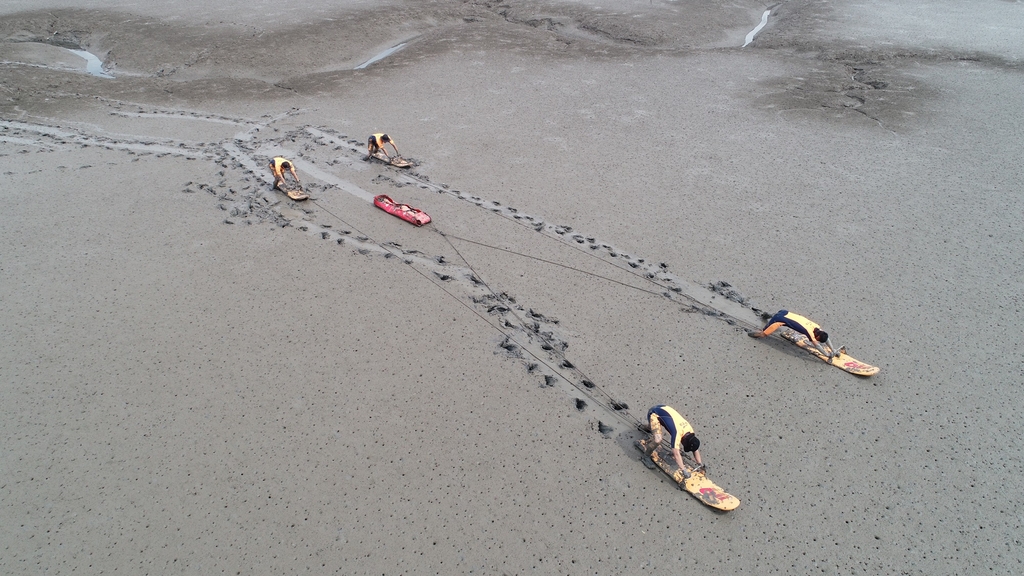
{"points": [[243, 191]]}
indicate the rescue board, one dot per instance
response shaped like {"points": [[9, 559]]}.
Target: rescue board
{"points": [[396, 161], [403, 211], [842, 361], [295, 194], [698, 484]]}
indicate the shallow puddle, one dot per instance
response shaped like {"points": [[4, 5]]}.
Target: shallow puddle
{"points": [[51, 56], [752, 33], [381, 56], [93, 65]]}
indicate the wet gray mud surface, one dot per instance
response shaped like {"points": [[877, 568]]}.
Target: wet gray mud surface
{"points": [[847, 72], [243, 193], [203, 375]]}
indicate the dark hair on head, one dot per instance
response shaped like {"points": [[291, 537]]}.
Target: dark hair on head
{"points": [[820, 335], [690, 443]]}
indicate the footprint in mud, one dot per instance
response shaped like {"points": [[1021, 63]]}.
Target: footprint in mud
{"points": [[510, 347], [240, 190], [725, 289]]}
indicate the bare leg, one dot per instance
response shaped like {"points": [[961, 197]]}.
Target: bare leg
{"points": [[649, 447], [652, 445]]}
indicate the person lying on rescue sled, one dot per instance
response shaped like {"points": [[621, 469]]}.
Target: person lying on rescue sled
{"points": [[802, 325], [680, 434], [376, 143], [278, 165]]}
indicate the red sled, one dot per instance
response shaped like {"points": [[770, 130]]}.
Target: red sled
{"points": [[403, 211]]}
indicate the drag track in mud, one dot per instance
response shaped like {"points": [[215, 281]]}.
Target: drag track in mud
{"points": [[245, 196], [202, 375]]}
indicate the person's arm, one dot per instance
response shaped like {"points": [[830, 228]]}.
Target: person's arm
{"points": [[767, 330], [392, 142], [696, 456], [832, 353], [821, 348], [294, 175], [679, 458]]}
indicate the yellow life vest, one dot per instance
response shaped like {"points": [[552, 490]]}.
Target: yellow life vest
{"points": [[277, 163], [682, 426], [807, 324]]}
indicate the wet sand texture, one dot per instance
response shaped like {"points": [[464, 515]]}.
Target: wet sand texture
{"points": [[199, 375]]}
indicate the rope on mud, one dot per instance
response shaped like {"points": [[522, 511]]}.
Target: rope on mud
{"points": [[693, 302], [566, 266], [611, 403], [616, 407]]}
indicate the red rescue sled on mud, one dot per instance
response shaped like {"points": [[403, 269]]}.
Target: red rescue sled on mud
{"points": [[403, 211]]}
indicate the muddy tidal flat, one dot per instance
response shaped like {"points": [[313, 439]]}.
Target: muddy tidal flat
{"points": [[199, 375]]}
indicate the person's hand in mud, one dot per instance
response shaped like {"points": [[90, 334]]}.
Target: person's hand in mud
{"points": [[826, 348], [679, 461]]}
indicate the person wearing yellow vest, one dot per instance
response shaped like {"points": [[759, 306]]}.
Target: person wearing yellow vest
{"points": [[802, 325], [278, 165], [376, 143], [680, 435]]}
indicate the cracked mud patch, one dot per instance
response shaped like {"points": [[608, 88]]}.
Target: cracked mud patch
{"points": [[845, 79], [882, 93]]}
